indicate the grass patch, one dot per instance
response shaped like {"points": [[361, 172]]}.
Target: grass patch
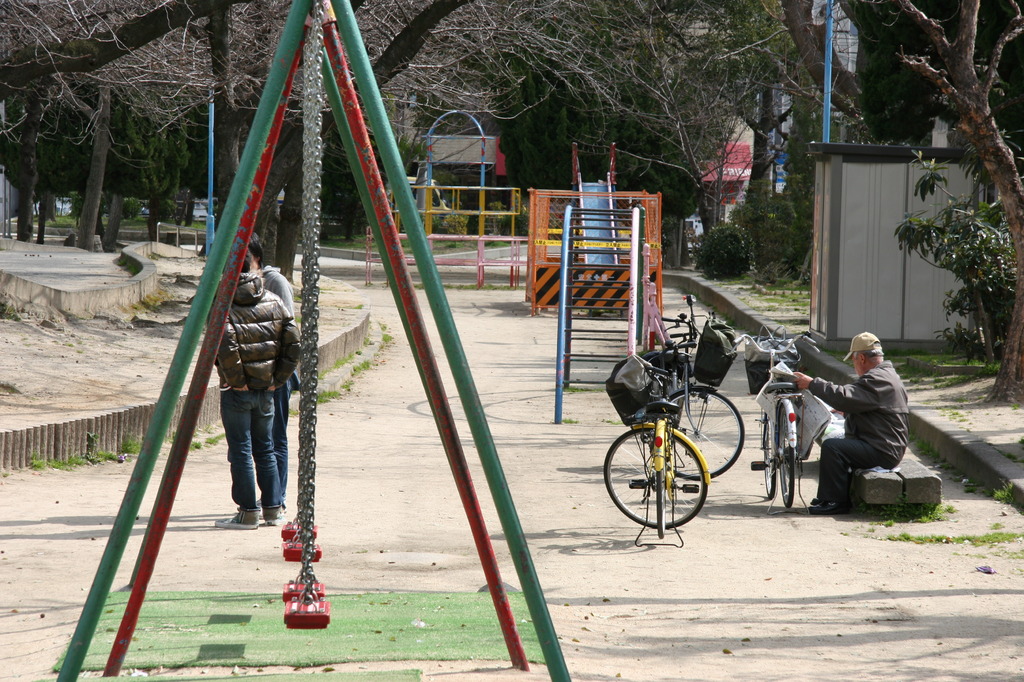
{"points": [[327, 396], [570, 421], [129, 264], [8, 312], [72, 462], [131, 445], [987, 540], [907, 512], [1005, 495], [213, 440], [152, 302]]}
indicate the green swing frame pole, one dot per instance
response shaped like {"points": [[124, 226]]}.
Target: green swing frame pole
{"points": [[239, 196], [515, 537]]}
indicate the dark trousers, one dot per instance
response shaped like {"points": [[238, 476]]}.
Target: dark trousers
{"points": [[838, 456], [282, 398]]}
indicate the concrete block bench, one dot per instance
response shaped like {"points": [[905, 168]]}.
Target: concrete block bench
{"points": [[912, 479]]}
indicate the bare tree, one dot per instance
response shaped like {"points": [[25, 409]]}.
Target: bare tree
{"points": [[805, 22], [968, 84]]}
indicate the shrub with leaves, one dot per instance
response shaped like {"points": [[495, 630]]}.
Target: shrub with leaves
{"points": [[724, 252], [776, 248]]}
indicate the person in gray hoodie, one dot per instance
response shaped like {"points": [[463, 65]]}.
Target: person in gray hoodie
{"points": [[877, 422]]}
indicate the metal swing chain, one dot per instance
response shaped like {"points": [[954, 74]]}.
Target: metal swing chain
{"points": [[312, 152]]}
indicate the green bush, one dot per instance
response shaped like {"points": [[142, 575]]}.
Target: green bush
{"points": [[454, 223], [724, 252], [130, 208], [777, 246]]}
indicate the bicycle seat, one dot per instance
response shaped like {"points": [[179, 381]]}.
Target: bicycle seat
{"points": [[781, 387], [662, 407]]}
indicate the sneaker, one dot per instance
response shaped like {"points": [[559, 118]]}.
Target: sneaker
{"points": [[243, 520], [273, 516]]}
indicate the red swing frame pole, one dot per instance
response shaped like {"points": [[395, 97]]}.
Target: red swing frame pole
{"points": [[197, 392], [412, 318]]}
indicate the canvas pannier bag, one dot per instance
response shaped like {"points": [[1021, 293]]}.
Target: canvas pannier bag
{"points": [[715, 353], [628, 387]]}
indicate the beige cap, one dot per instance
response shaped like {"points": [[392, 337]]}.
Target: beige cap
{"points": [[863, 342]]}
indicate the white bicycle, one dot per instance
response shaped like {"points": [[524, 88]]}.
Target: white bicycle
{"points": [[790, 420]]}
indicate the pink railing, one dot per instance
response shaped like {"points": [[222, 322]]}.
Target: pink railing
{"points": [[515, 261]]}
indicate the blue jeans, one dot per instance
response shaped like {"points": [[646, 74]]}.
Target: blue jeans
{"points": [[248, 418], [282, 397]]}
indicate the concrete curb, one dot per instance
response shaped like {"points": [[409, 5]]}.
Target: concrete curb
{"points": [[28, 294], [977, 459]]}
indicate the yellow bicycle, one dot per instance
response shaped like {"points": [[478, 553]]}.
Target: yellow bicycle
{"points": [[654, 473]]}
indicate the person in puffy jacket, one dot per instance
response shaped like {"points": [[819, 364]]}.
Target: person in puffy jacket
{"points": [[877, 422], [277, 283], [258, 353]]}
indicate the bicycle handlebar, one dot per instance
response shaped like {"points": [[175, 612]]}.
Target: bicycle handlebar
{"points": [[747, 338]]}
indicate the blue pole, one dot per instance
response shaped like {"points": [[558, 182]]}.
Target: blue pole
{"points": [[563, 313], [826, 115], [209, 180]]}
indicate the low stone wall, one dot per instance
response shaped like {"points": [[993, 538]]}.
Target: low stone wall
{"points": [[109, 429], [26, 294]]}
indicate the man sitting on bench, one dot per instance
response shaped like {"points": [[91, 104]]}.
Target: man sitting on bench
{"points": [[877, 422]]}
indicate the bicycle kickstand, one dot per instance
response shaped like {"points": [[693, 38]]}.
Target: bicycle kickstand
{"points": [[644, 529]]}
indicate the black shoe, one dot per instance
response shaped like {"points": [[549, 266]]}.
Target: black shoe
{"points": [[815, 502], [828, 509]]}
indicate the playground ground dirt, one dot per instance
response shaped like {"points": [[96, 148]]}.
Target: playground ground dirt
{"points": [[749, 596]]}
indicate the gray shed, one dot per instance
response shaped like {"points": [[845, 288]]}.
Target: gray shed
{"points": [[860, 279]]}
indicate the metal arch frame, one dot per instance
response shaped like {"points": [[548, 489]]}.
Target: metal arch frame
{"points": [[430, 137]]}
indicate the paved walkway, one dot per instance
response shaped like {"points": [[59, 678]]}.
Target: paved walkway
{"points": [[750, 596]]}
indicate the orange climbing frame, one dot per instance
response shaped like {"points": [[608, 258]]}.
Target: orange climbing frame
{"points": [[547, 211]]}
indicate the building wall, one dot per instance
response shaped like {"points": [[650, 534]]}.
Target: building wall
{"points": [[861, 279]]}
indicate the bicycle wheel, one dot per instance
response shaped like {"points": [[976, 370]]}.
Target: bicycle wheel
{"points": [[629, 479], [684, 482], [787, 475], [715, 425], [771, 470]]}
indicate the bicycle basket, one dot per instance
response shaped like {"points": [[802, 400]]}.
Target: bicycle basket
{"points": [[715, 353], [757, 361], [629, 387]]}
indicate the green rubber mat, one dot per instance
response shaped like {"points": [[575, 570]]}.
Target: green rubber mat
{"points": [[186, 629]]}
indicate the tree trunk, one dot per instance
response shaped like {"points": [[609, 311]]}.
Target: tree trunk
{"points": [[153, 232], [228, 123], [28, 173], [44, 212], [116, 209], [983, 133], [289, 227], [97, 168]]}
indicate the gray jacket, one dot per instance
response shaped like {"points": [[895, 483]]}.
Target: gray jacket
{"points": [[277, 283], [875, 406]]}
